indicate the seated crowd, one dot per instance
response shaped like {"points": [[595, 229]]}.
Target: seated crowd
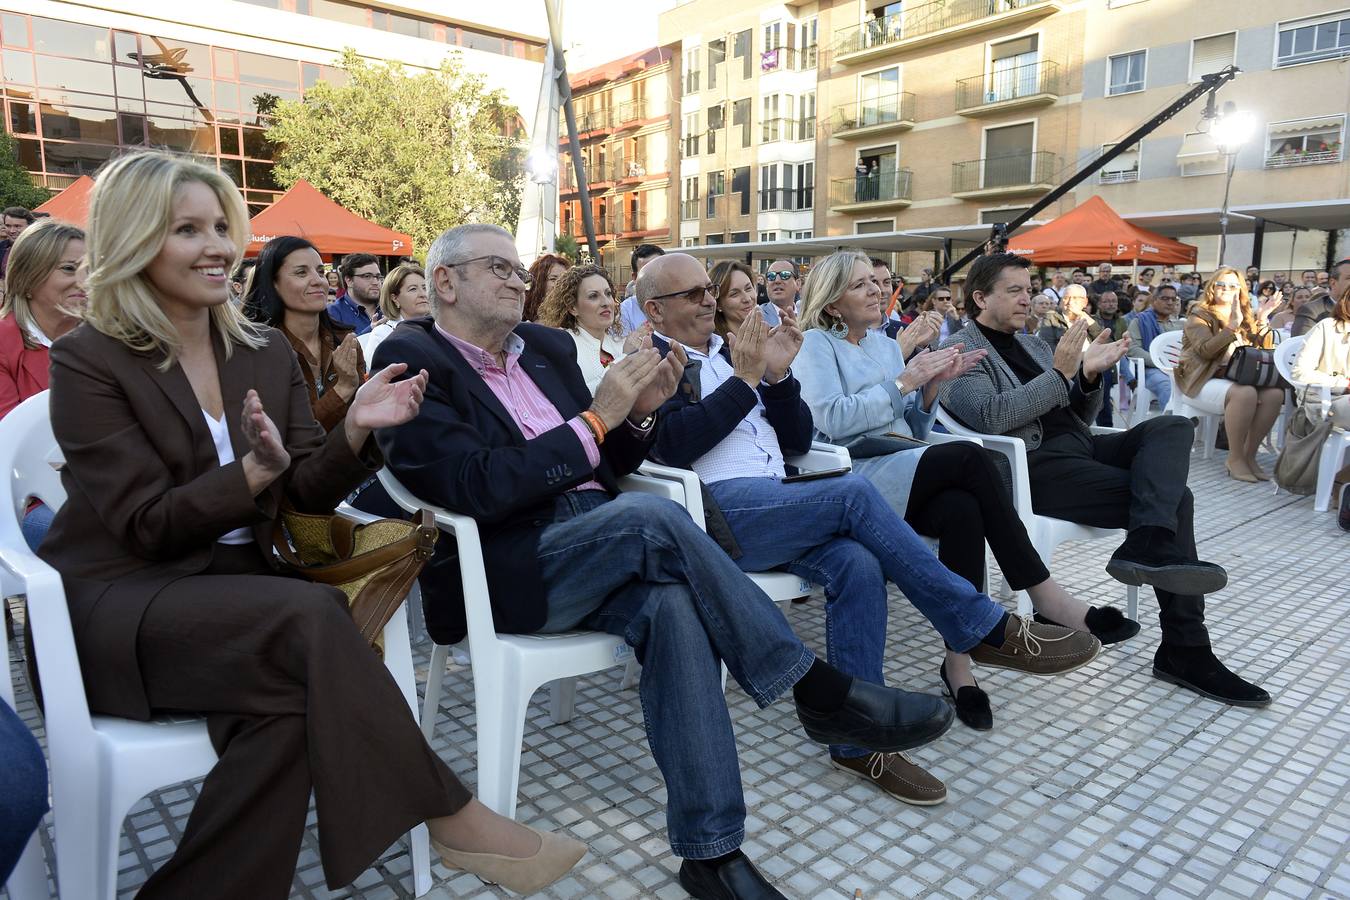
{"points": [[271, 395]]}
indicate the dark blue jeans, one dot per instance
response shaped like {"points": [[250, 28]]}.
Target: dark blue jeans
{"points": [[637, 566], [841, 534], [23, 788]]}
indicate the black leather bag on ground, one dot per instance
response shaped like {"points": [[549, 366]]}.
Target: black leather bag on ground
{"points": [[1253, 366]]}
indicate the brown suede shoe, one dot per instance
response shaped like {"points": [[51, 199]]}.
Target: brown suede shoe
{"points": [[897, 775], [1038, 649]]}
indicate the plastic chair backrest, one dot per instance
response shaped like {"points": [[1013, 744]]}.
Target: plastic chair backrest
{"points": [[1285, 354], [1165, 350]]}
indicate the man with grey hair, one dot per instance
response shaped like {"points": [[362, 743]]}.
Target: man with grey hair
{"points": [[782, 282], [509, 434]]}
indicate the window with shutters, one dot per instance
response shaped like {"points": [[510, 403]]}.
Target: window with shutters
{"points": [[1211, 54], [1313, 40], [1199, 155], [1123, 168], [1125, 73], [1305, 142]]}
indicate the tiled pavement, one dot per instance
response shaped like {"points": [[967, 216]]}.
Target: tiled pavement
{"points": [[1102, 783]]}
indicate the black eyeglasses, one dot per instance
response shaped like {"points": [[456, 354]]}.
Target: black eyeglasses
{"points": [[693, 294], [778, 276], [502, 268]]}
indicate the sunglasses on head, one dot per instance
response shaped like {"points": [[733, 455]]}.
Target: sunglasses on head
{"points": [[778, 276]]}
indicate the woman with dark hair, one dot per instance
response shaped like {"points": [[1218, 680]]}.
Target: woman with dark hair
{"points": [[582, 303], [545, 272], [290, 293]]}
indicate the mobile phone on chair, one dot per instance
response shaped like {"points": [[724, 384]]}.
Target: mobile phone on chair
{"points": [[814, 476]]}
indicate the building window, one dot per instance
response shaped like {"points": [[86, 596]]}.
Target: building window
{"points": [[1125, 73], [1311, 40], [740, 115], [1012, 69], [1124, 167], [1199, 155], [689, 242], [1212, 54], [879, 98], [717, 54], [740, 237], [771, 126], [691, 73], [768, 235], [741, 49], [717, 119], [806, 116], [1305, 142], [808, 35], [802, 235], [689, 203], [806, 186], [691, 134]]}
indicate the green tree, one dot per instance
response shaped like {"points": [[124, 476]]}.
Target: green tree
{"points": [[419, 153], [566, 245], [16, 185]]}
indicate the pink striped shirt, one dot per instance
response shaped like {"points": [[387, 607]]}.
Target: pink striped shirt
{"points": [[527, 404]]}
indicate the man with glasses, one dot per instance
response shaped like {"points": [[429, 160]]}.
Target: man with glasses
{"points": [[359, 307], [509, 434], [1321, 304], [737, 413], [783, 284], [1133, 479]]}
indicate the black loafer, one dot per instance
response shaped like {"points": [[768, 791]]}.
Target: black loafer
{"points": [[737, 879], [1106, 623], [1168, 573], [1198, 669], [972, 703], [877, 718]]}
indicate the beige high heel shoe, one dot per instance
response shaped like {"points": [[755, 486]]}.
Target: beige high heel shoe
{"points": [[556, 856]]}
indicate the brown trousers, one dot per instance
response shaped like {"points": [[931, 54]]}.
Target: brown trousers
{"points": [[295, 701]]}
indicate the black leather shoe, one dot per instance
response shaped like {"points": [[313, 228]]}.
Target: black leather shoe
{"points": [[1199, 670], [1343, 518], [1106, 623], [879, 718], [972, 703], [737, 879], [1147, 557]]}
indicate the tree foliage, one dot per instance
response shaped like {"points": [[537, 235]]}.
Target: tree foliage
{"points": [[419, 153], [16, 185]]}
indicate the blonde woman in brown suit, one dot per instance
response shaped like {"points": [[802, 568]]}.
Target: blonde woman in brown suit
{"points": [[184, 428]]}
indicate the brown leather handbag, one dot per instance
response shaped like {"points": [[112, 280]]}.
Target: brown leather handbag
{"points": [[374, 564]]}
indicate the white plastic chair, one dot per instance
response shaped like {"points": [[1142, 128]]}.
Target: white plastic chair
{"points": [[1143, 397], [1046, 532], [28, 881], [1337, 445], [1165, 349], [509, 668], [101, 765]]}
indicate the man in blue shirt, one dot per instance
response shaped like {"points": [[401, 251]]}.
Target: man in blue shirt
{"points": [[630, 311], [360, 306]]}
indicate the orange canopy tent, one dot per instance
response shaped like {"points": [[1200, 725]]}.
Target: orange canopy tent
{"points": [[72, 204], [1092, 233], [304, 212]]}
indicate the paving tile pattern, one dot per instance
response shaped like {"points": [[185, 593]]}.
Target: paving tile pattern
{"points": [[1102, 783]]}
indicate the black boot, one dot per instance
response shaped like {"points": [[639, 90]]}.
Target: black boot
{"points": [[1149, 556], [1199, 670]]}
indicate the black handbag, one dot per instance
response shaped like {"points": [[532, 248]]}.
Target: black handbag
{"points": [[1253, 366]]}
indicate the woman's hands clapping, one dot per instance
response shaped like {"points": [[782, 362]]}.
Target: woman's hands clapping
{"points": [[267, 458]]}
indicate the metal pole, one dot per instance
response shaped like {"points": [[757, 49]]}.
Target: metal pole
{"points": [[573, 142], [1258, 240], [1223, 212]]}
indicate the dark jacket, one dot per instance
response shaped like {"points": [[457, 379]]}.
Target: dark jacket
{"points": [[146, 496], [464, 452]]}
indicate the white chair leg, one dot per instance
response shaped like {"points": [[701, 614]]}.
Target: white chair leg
{"points": [[419, 848], [431, 704], [1024, 607], [28, 881], [501, 729], [1209, 428], [632, 670], [1005, 591], [1132, 602], [1328, 463], [562, 700], [86, 856]]}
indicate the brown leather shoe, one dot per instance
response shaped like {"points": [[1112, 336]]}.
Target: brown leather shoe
{"points": [[897, 775], [1038, 649]]}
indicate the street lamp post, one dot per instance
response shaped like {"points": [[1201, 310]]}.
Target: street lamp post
{"points": [[1230, 130]]}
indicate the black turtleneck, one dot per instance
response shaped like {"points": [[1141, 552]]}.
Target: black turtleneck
{"points": [[1056, 422]]}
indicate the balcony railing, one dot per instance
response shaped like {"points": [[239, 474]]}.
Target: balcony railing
{"points": [[1120, 176], [632, 221], [605, 224], [1030, 80], [630, 111], [921, 19], [720, 206], [1011, 171], [779, 59], [1302, 158], [892, 185], [630, 168], [689, 209], [873, 111]]}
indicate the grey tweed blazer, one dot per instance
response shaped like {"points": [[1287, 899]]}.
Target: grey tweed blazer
{"points": [[992, 400]]}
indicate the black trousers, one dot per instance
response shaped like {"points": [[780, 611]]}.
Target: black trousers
{"points": [[295, 701], [959, 497], [1129, 480]]}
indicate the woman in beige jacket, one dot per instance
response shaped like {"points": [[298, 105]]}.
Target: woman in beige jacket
{"points": [[1220, 323]]}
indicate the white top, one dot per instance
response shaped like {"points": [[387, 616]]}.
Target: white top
{"points": [[35, 332], [588, 355], [752, 449], [372, 338], [220, 434]]}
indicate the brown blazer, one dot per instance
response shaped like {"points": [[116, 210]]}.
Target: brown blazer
{"points": [[146, 495], [1204, 348]]}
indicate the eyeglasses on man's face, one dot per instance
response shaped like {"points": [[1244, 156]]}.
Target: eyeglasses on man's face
{"points": [[368, 276], [499, 266], [693, 294], [777, 276]]}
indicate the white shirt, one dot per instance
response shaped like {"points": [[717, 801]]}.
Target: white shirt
{"points": [[631, 314], [220, 434], [372, 338], [751, 450], [35, 332], [588, 355]]}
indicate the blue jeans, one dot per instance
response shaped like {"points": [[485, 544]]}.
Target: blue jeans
{"points": [[637, 566], [841, 534], [35, 525], [1159, 385], [23, 788]]}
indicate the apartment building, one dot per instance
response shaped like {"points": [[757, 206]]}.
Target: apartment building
{"points": [[948, 112], [623, 113], [83, 81], [1295, 85], [747, 119]]}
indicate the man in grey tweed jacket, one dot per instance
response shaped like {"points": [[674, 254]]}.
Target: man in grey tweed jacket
{"points": [[1133, 479]]}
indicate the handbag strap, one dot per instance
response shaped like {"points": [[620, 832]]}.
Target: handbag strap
{"points": [[419, 542]]}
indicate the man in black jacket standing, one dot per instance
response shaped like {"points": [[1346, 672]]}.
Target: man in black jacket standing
{"points": [[509, 434]]}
